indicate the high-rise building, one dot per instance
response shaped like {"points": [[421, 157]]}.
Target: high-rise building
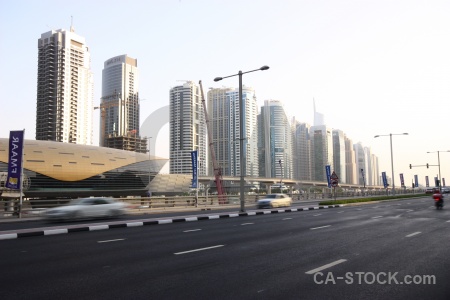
{"points": [[339, 155], [321, 151], [361, 167], [119, 107], [301, 153], [350, 162], [275, 141], [64, 88], [187, 129], [219, 114]]}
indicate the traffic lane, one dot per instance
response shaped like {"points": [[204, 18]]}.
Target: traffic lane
{"points": [[273, 248], [9, 225]]}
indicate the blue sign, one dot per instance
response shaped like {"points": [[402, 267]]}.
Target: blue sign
{"points": [[194, 158], [402, 181], [363, 177], [15, 159], [328, 171], [385, 183], [416, 180]]}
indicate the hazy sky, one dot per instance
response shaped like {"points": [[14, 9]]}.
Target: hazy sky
{"points": [[373, 67]]}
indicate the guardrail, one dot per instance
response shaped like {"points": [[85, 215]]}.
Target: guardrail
{"points": [[34, 207]]}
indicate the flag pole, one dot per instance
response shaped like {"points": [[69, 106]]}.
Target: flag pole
{"points": [[21, 176]]}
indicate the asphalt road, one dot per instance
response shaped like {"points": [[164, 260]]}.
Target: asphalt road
{"points": [[369, 251]]}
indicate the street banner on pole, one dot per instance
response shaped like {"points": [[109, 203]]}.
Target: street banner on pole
{"points": [[15, 156], [427, 182], [443, 181], [363, 177], [383, 175], [416, 180], [402, 181], [194, 159], [328, 171]]}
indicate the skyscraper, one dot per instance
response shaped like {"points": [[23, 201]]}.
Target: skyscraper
{"points": [[119, 107], [321, 151], [301, 154], [339, 155], [64, 88], [275, 141], [187, 129]]}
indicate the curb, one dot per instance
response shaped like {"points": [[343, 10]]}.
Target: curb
{"points": [[17, 235]]}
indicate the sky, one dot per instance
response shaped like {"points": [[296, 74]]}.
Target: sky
{"points": [[373, 67]]}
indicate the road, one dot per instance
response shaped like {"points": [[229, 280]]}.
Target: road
{"points": [[375, 248]]}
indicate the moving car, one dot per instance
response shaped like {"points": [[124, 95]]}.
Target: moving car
{"points": [[274, 200], [86, 208]]}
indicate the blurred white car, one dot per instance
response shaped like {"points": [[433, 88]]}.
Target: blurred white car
{"points": [[274, 200], [86, 208]]}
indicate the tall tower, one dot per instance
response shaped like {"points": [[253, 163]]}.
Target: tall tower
{"points": [[119, 107], [339, 155], [275, 141], [187, 129], [64, 105], [322, 151], [301, 150]]}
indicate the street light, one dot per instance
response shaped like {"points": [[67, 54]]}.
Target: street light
{"points": [[149, 160], [241, 131], [392, 156], [439, 166]]}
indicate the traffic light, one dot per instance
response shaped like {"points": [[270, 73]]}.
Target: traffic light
{"points": [[410, 166], [427, 166]]}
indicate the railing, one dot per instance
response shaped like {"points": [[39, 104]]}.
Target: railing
{"points": [[34, 207]]}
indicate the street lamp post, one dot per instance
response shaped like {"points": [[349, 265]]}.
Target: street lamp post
{"points": [[281, 174], [439, 167], [149, 161], [392, 156], [241, 132]]}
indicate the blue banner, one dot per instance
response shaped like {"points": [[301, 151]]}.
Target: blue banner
{"points": [[194, 159], [15, 159], [328, 171], [402, 181], [383, 175], [427, 182], [416, 180]]}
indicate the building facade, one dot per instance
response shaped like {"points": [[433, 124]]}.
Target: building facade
{"points": [[301, 154], [64, 106], [339, 165], [275, 141], [187, 129], [321, 151], [120, 107]]}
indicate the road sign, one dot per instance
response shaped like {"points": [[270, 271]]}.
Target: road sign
{"points": [[334, 182], [334, 176]]}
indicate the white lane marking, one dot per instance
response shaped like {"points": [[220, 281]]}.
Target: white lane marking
{"points": [[377, 217], [359, 209], [109, 241], [317, 215], [286, 219], [340, 212], [8, 236], [192, 230], [55, 231], [410, 210], [135, 224], [314, 228], [413, 234], [200, 249], [243, 224], [447, 221], [98, 227], [326, 266], [191, 219]]}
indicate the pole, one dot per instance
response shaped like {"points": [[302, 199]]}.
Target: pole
{"points": [[21, 176], [392, 167], [241, 144], [440, 178]]}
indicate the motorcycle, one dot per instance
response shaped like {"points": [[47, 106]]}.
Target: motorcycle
{"points": [[438, 201]]}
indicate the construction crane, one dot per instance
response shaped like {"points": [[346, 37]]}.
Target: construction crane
{"points": [[217, 169]]}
